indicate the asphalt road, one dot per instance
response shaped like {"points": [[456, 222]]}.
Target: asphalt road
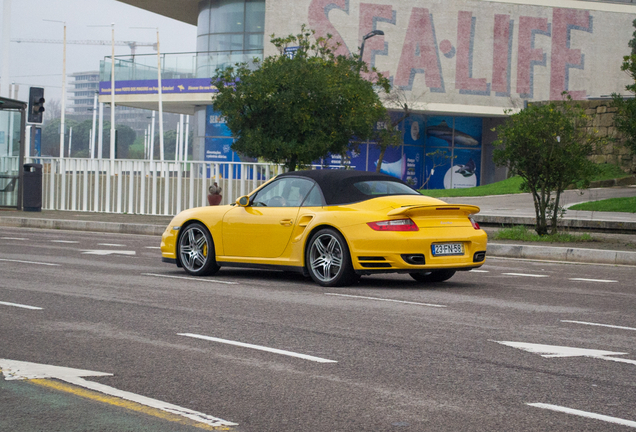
{"points": [[385, 355]]}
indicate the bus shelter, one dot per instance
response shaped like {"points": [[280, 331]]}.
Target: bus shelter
{"points": [[12, 142]]}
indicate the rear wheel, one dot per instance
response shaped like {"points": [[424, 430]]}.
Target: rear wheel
{"points": [[433, 276], [196, 251], [328, 260]]}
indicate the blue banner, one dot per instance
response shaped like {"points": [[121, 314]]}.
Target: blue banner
{"points": [[178, 85]]}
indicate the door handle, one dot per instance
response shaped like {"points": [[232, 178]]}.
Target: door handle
{"points": [[287, 222]]}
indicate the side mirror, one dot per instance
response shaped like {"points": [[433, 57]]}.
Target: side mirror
{"points": [[243, 201]]}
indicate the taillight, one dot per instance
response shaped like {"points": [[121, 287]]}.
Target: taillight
{"points": [[473, 223], [394, 225]]}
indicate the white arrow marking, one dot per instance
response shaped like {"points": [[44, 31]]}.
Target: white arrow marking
{"points": [[591, 415], [18, 370], [550, 351], [108, 252]]}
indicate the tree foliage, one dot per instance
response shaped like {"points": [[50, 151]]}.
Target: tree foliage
{"points": [[548, 147], [625, 116], [294, 109]]}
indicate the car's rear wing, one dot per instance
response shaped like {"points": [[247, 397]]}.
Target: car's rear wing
{"points": [[438, 210]]}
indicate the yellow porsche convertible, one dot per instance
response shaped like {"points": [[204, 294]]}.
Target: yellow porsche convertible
{"points": [[332, 225]]}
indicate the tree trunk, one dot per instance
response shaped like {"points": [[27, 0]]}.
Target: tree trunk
{"points": [[380, 158]]}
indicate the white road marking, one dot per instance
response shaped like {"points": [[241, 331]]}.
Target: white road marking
{"points": [[29, 262], [111, 244], [600, 325], [551, 351], [108, 252], [526, 275], [64, 241], [593, 280], [153, 247], [198, 279], [259, 347], [18, 370], [591, 415], [20, 305], [387, 300], [13, 238], [479, 271]]}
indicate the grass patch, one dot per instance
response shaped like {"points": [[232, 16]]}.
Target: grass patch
{"points": [[627, 205], [511, 185], [508, 186], [522, 233]]}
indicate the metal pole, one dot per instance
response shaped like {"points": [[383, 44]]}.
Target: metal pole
{"points": [[100, 132], [112, 94], [62, 126], [160, 91], [92, 146], [152, 137], [6, 39]]}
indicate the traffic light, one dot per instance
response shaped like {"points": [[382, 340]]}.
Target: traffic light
{"points": [[36, 104]]}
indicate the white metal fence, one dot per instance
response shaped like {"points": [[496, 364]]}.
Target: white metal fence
{"points": [[140, 186]]}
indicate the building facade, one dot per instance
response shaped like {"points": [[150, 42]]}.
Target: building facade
{"points": [[462, 65]]}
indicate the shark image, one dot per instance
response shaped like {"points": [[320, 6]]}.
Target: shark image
{"points": [[444, 132], [395, 169], [468, 169]]}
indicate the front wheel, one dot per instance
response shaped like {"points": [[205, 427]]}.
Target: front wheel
{"points": [[196, 251], [328, 260], [433, 276]]}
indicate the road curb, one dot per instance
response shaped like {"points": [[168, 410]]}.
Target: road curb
{"points": [[604, 225], [593, 256], [74, 225]]}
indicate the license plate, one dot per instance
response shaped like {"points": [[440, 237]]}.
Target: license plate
{"points": [[447, 249]]}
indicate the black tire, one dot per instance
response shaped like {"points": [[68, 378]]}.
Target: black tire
{"points": [[433, 276], [328, 260], [195, 250]]}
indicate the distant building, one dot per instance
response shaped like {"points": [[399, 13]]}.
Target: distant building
{"points": [[80, 99]]}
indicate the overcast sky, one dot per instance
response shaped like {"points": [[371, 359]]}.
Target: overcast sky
{"points": [[40, 64]]}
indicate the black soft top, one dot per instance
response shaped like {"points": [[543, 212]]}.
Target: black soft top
{"points": [[338, 185]]}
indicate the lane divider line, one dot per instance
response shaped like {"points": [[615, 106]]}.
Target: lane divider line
{"points": [[29, 262], [592, 280], [259, 347], [599, 325], [20, 305], [386, 300], [198, 279], [479, 271], [64, 241], [526, 275], [14, 238], [586, 414]]}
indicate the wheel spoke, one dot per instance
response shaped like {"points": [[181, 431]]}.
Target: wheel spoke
{"points": [[320, 247], [201, 242], [333, 245]]}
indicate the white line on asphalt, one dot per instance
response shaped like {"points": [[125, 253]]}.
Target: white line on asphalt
{"points": [[592, 280], [29, 262], [524, 274], [13, 238], [198, 279], [258, 347], [599, 325], [479, 271], [64, 241], [386, 300], [595, 416], [20, 305], [153, 247], [110, 244]]}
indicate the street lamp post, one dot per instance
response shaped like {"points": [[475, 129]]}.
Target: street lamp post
{"points": [[62, 126], [367, 36]]}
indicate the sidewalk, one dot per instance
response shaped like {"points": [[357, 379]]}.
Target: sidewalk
{"points": [[615, 232]]}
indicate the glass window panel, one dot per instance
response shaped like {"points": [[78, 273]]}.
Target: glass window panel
{"points": [[254, 41], [227, 16], [255, 16], [202, 43], [226, 42], [203, 21]]}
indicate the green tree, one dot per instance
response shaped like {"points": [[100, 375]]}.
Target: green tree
{"points": [[548, 147], [296, 109], [625, 116]]}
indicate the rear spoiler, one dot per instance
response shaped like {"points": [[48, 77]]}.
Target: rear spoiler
{"points": [[434, 210]]}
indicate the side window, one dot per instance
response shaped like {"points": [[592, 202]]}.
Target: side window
{"points": [[286, 192], [314, 198]]}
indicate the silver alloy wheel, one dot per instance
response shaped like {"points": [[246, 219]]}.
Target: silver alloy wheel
{"points": [[326, 257], [193, 249]]}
